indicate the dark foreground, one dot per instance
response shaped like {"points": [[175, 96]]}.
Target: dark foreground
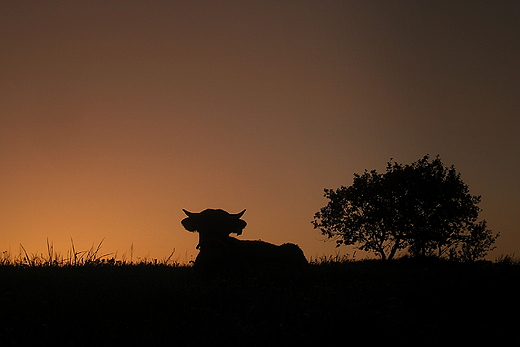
{"points": [[368, 301]]}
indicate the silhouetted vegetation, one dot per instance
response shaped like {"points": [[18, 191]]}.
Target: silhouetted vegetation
{"points": [[408, 301], [423, 208]]}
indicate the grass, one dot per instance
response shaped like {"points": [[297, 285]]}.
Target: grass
{"points": [[92, 256], [93, 299]]}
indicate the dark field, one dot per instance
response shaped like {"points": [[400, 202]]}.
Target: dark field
{"points": [[371, 302]]}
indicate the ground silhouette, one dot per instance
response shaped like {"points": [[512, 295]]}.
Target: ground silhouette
{"points": [[403, 301]]}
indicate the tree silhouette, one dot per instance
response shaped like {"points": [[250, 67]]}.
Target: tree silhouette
{"points": [[422, 207]]}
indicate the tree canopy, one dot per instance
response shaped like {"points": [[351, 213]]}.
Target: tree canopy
{"points": [[424, 208]]}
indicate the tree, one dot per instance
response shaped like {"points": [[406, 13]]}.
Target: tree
{"points": [[475, 244], [424, 208]]}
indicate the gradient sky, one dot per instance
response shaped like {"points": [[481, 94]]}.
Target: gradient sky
{"points": [[115, 115]]}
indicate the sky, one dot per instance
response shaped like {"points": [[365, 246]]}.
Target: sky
{"points": [[116, 115]]}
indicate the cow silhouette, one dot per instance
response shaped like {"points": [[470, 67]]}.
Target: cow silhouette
{"points": [[219, 252]]}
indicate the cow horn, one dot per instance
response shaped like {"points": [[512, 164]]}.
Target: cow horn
{"points": [[239, 214], [188, 213]]}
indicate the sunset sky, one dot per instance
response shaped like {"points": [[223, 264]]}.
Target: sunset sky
{"points": [[115, 115]]}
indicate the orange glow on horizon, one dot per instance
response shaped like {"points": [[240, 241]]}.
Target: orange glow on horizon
{"points": [[114, 117]]}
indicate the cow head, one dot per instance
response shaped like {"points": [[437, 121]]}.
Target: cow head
{"points": [[213, 224]]}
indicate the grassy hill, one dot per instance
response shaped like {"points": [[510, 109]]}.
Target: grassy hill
{"points": [[401, 301]]}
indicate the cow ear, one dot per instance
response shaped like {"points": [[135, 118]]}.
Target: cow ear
{"points": [[188, 224], [240, 225]]}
